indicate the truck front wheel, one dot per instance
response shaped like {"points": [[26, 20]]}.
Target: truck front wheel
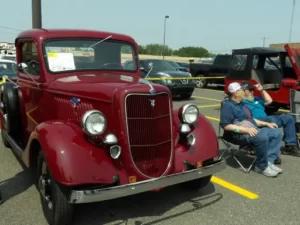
{"points": [[201, 83], [54, 197]]}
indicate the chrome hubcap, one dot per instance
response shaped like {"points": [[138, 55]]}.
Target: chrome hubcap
{"points": [[45, 187], [200, 83]]}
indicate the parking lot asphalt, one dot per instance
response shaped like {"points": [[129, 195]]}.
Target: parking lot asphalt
{"points": [[233, 197]]}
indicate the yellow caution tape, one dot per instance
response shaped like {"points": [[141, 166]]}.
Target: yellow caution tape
{"points": [[184, 78]]}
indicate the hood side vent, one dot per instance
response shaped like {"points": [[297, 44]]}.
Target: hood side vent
{"points": [[66, 110]]}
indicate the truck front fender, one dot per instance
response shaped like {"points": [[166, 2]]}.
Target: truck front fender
{"points": [[206, 146], [71, 159]]}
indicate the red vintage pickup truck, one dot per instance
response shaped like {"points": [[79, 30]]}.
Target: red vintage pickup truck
{"points": [[92, 130]]}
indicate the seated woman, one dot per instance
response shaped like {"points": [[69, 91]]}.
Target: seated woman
{"points": [[264, 137]]}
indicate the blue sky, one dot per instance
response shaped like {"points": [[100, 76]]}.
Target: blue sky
{"points": [[213, 24]]}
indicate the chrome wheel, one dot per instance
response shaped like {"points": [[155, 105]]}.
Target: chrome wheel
{"points": [[201, 83], [45, 186]]}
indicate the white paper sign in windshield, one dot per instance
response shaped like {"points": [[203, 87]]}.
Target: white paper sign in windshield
{"points": [[61, 61]]}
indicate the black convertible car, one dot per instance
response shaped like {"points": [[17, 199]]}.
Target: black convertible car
{"points": [[156, 68]]}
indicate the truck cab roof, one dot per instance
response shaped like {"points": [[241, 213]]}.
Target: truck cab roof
{"points": [[43, 34]]}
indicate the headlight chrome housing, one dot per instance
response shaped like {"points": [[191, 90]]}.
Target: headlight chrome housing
{"points": [[189, 113], [93, 122]]}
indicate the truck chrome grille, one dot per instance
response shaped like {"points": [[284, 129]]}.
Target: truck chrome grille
{"points": [[149, 130]]}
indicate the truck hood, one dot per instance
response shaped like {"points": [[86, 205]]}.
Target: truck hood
{"points": [[93, 86], [294, 55]]}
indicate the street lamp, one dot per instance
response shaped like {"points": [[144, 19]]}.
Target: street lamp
{"points": [[166, 17], [36, 13], [292, 20]]}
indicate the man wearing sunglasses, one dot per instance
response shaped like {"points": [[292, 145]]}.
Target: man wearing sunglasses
{"points": [[257, 107]]}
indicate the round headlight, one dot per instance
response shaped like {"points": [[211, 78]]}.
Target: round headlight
{"points": [[189, 113], [93, 122]]}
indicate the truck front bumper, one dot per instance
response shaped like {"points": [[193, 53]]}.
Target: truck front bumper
{"points": [[97, 195]]}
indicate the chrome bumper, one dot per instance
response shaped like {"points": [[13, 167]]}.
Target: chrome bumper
{"points": [[97, 195]]}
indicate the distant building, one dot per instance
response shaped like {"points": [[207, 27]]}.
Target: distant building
{"points": [[7, 48], [281, 45]]}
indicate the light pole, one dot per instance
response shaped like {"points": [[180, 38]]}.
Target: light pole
{"points": [[264, 40], [36, 13], [292, 20], [165, 26]]}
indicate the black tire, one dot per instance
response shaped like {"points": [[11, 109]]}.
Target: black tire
{"points": [[12, 123], [61, 211], [5, 141], [201, 83], [197, 184], [186, 95]]}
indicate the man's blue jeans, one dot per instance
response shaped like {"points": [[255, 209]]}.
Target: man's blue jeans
{"points": [[288, 124], [267, 143]]}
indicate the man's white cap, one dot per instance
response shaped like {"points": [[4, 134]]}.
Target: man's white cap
{"points": [[234, 87]]}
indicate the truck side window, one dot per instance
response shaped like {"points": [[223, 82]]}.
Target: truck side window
{"points": [[238, 62], [29, 55]]}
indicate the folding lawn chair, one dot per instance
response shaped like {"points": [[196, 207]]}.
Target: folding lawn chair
{"points": [[234, 148]]}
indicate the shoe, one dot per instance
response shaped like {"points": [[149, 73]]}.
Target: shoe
{"points": [[291, 150], [267, 171], [277, 161], [275, 168]]}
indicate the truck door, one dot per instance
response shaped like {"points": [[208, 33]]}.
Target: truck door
{"points": [[29, 92], [295, 107]]}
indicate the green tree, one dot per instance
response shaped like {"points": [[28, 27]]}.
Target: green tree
{"points": [[191, 51]]}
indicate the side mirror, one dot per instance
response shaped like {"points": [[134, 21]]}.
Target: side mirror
{"points": [[22, 66], [143, 69]]}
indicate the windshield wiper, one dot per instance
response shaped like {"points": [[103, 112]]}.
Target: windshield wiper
{"points": [[101, 41]]}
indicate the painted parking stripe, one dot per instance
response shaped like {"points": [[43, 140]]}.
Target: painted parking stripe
{"points": [[213, 118], [208, 106], [234, 188], [210, 99]]}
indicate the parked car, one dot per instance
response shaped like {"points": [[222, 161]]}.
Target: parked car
{"points": [[257, 65], [93, 130], [8, 68], [177, 66], [185, 65], [156, 68], [218, 68]]}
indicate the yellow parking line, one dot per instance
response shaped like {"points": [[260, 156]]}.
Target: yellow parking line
{"points": [[208, 106], [213, 118], [211, 99], [284, 110], [234, 188]]}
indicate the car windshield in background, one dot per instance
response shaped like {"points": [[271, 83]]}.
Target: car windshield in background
{"points": [[174, 64], [88, 54], [8, 68], [160, 65]]}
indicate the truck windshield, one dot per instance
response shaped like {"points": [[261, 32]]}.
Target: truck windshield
{"points": [[88, 54]]}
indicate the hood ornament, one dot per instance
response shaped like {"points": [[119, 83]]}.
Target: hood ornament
{"points": [[152, 90], [74, 101], [152, 102]]}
